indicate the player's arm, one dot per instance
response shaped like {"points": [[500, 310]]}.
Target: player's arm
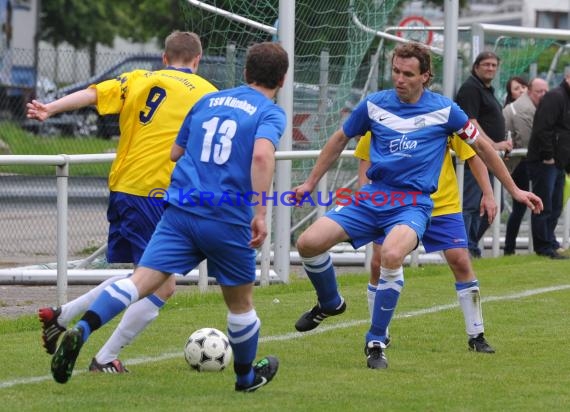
{"points": [[504, 146], [363, 166], [73, 101], [496, 165], [181, 141], [481, 175], [176, 152], [262, 167], [329, 154]]}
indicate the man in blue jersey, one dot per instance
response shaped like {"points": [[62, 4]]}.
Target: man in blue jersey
{"points": [[409, 126], [225, 162]]}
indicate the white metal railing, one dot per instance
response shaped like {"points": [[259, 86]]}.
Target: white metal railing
{"points": [[62, 163]]}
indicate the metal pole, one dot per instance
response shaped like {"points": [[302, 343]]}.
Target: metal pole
{"points": [[450, 34], [451, 10], [62, 173], [203, 276], [566, 226], [230, 80], [323, 93], [286, 32], [266, 247], [323, 190]]}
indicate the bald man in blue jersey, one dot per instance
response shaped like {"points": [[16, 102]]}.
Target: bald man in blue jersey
{"points": [[409, 126]]}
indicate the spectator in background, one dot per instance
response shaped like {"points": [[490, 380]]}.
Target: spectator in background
{"points": [[548, 158], [477, 98], [516, 87], [519, 116]]}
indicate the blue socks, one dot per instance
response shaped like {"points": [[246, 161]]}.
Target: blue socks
{"points": [[112, 301], [321, 272], [385, 302], [243, 333]]}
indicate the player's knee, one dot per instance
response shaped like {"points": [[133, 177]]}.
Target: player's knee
{"points": [[306, 246], [392, 258]]}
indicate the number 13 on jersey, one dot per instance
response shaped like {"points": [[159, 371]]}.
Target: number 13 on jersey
{"points": [[218, 152]]}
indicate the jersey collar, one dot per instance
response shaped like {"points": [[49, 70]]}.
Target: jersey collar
{"points": [[180, 69]]}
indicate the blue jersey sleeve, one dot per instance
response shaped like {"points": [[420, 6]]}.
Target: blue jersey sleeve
{"points": [[358, 123], [457, 118], [272, 125]]}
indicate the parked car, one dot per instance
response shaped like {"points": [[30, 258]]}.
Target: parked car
{"points": [[87, 122]]}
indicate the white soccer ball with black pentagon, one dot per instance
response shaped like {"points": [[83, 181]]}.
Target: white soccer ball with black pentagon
{"points": [[208, 349]]}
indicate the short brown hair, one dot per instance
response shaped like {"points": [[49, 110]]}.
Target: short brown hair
{"points": [[420, 52], [266, 64], [182, 46]]}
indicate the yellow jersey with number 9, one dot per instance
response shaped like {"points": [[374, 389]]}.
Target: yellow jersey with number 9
{"points": [[152, 106]]}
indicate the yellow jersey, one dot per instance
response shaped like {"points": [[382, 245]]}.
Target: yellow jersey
{"points": [[446, 198], [152, 106]]}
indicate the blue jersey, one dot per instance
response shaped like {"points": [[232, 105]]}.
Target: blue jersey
{"points": [[213, 177], [408, 140]]}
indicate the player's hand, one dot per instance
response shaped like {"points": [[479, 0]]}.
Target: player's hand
{"points": [[532, 201], [37, 111], [299, 192], [488, 206], [258, 231]]}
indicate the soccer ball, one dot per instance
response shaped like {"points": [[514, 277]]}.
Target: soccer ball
{"points": [[208, 349]]}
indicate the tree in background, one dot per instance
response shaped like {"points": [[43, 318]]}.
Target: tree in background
{"points": [[82, 24]]}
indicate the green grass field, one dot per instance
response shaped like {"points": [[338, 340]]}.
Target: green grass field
{"points": [[525, 304]]}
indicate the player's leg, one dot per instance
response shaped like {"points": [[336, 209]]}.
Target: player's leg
{"points": [[375, 264], [313, 246], [469, 297], [113, 300], [447, 233], [400, 241], [135, 319], [168, 252], [356, 222], [232, 262], [55, 320], [132, 221]]}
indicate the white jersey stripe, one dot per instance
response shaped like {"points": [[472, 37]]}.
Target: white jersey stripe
{"points": [[412, 124]]}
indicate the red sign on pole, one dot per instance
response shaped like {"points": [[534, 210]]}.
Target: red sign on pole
{"points": [[421, 35]]}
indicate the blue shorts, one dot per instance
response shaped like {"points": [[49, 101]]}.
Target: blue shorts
{"points": [[132, 220], [182, 240], [444, 232], [364, 220]]}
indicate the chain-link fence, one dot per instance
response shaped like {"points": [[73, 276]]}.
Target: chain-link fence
{"points": [[28, 192]]}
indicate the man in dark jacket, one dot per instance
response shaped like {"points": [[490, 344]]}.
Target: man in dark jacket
{"points": [[476, 97], [548, 158]]}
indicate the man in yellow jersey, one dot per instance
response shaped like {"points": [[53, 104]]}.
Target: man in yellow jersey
{"points": [[152, 106], [446, 232]]}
